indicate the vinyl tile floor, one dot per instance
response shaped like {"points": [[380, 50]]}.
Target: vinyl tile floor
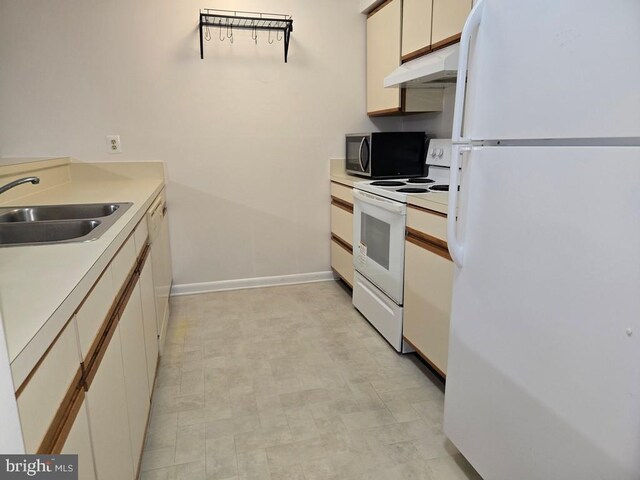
{"points": [[291, 383]]}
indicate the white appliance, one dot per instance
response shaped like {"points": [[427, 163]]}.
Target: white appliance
{"points": [[543, 378], [158, 226], [380, 209], [435, 70]]}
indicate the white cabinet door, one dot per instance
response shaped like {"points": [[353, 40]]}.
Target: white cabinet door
{"points": [[427, 303], [108, 419], [383, 57], [149, 321], [134, 359], [448, 19], [416, 27], [79, 442]]}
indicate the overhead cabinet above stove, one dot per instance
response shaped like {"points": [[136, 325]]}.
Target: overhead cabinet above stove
{"points": [[384, 39]]}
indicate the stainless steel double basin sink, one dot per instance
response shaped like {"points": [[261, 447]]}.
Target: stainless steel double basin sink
{"points": [[47, 224]]}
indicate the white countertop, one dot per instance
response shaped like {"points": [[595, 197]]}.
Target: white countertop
{"points": [[42, 286]]}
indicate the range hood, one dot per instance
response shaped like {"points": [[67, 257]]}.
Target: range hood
{"points": [[435, 70]]}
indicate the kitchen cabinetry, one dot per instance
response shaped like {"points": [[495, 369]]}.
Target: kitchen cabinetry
{"points": [[79, 442], [384, 38], [428, 25], [448, 19], [147, 296], [416, 28], [90, 394], [108, 417], [134, 359], [342, 231], [161, 259], [428, 286]]}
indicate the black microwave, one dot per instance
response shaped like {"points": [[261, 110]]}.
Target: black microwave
{"points": [[386, 154]]}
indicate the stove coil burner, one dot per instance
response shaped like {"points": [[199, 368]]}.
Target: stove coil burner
{"points": [[412, 190], [388, 183], [420, 180], [440, 188]]}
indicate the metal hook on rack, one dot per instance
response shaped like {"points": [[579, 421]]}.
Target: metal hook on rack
{"points": [[230, 32], [220, 35], [278, 37], [207, 33], [270, 41], [254, 34]]}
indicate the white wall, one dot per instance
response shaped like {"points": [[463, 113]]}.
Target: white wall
{"points": [[246, 137]]}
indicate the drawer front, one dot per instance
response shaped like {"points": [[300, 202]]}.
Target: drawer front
{"points": [[432, 224], [342, 262], [140, 236], [123, 263], [342, 192], [94, 311], [342, 223], [45, 391]]}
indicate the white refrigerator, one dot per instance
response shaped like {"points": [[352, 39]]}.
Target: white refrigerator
{"points": [[543, 379]]}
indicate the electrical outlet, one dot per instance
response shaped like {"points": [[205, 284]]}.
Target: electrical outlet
{"points": [[113, 144]]}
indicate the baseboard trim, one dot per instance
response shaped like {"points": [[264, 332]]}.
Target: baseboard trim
{"points": [[243, 283]]}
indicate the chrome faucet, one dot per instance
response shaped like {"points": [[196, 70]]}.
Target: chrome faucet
{"points": [[20, 181]]}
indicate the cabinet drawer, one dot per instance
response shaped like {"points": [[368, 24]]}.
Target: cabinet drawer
{"points": [[45, 391], [427, 304], [433, 224], [342, 223], [342, 262], [342, 192], [123, 263], [94, 311]]}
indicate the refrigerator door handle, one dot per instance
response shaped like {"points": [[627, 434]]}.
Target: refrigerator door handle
{"points": [[472, 23], [456, 249]]}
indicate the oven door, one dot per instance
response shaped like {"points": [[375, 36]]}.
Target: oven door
{"points": [[378, 242]]}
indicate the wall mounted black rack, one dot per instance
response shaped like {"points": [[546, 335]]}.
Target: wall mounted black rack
{"points": [[227, 20]]}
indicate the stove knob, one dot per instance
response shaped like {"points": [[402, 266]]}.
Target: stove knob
{"points": [[440, 153], [433, 153]]}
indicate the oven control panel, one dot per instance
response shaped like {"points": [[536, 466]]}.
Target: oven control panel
{"points": [[439, 152]]}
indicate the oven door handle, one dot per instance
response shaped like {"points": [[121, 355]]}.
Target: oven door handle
{"points": [[375, 200]]}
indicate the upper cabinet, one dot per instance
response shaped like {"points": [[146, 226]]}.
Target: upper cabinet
{"points": [[448, 19], [384, 44], [416, 27], [431, 24]]}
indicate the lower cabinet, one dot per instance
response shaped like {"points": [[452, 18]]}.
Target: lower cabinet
{"points": [[90, 394], [428, 285], [108, 417], [147, 297], [342, 231], [342, 261], [134, 359], [79, 442], [427, 303]]}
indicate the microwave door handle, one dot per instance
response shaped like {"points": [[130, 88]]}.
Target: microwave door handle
{"points": [[360, 154]]}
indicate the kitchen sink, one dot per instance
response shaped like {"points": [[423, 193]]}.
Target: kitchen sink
{"points": [[46, 232], [49, 224], [58, 212]]}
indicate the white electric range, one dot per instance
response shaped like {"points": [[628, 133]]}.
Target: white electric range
{"points": [[380, 209]]}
